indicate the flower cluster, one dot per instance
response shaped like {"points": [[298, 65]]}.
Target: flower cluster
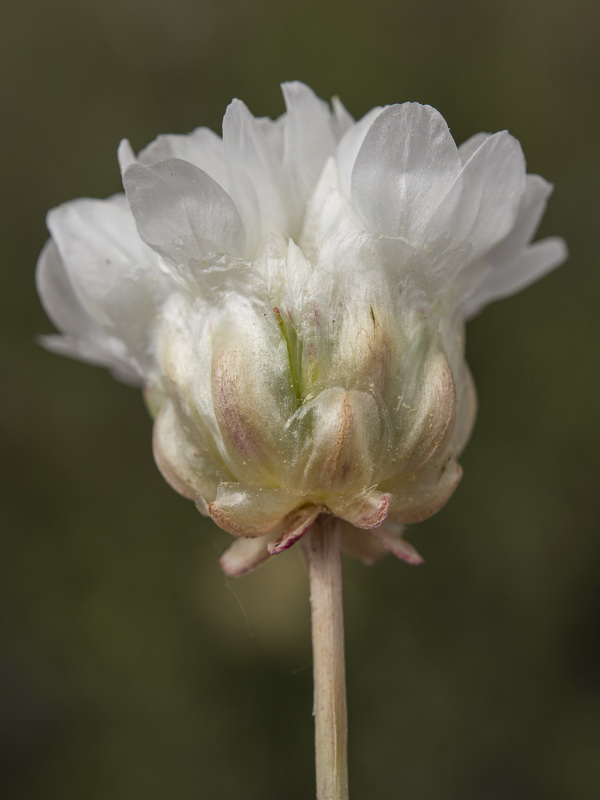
{"points": [[292, 297]]}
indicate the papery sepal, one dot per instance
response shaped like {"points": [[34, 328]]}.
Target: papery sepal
{"points": [[295, 526], [243, 556]]}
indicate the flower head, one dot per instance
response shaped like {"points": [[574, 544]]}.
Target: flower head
{"points": [[292, 297]]}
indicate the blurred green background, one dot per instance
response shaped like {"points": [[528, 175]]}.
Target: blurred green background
{"points": [[129, 666]]}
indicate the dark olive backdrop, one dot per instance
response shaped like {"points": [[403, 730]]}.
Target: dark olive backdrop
{"points": [[130, 668]]}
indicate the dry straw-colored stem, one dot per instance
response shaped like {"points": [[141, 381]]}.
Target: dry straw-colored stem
{"points": [[331, 729]]}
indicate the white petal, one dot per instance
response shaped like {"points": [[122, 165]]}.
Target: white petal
{"points": [[467, 148], [102, 251], [125, 155], [331, 224], [181, 212], [272, 131], [100, 352], [57, 294], [202, 147], [482, 205], [349, 147], [406, 165], [342, 118], [531, 209], [115, 276], [531, 264], [83, 338], [309, 141], [254, 171]]}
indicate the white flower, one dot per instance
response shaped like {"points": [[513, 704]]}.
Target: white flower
{"points": [[292, 298]]}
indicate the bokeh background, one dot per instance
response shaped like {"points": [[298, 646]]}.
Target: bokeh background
{"points": [[129, 666]]}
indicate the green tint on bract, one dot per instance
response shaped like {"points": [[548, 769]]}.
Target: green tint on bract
{"points": [[294, 346]]}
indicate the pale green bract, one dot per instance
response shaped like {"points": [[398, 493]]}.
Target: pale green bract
{"points": [[292, 297]]}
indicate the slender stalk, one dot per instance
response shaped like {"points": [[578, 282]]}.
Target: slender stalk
{"points": [[331, 728]]}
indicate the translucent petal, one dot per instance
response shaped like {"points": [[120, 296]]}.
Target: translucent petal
{"points": [[331, 225], [532, 206], [309, 141], [181, 212], [202, 147], [254, 173], [342, 119], [58, 296], [84, 338], [125, 155], [532, 263], [482, 205], [468, 147], [407, 163], [115, 276], [349, 147]]}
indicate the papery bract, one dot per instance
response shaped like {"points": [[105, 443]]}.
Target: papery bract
{"points": [[292, 297]]}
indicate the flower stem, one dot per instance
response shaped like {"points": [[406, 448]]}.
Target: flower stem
{"points": [[331, 728]]}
